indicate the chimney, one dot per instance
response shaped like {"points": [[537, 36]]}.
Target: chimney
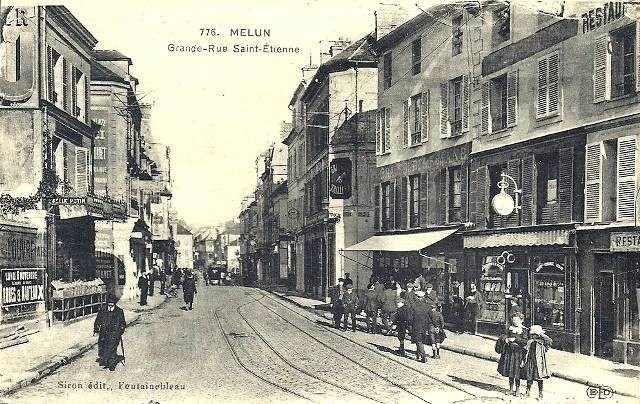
{"points": [[388, 17], [336, 47]]}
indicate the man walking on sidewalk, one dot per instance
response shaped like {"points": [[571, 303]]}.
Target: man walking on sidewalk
{"points": [[143, 284], [109, 325], [420, 320], [350, 300], [337, 305], [189, 289], [474, 307]]}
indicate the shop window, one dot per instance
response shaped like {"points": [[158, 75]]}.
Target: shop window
{"points": [[416, 56], [414, 201], [386, 70], [456, 35], [493, 287], [455, 194], [547, 198], [549, 295], [501, 25]]}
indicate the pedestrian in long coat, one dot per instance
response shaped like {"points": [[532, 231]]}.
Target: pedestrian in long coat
{"points": [[152, 279], [512, 354], [109, 325], [143, 284], [535, 361], [436, 330], [420, 320], [337, 305], [401, 322], [371, 309], [189, 289], [473, 309], [351, 303], [389, 307], [162, 277]]}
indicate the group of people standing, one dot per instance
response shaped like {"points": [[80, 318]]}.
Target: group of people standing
{"points": [[179, 277], [413, 310]]}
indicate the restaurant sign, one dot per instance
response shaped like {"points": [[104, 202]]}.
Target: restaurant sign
{"points": [[340, 178], [625, 241], [22, 285]]}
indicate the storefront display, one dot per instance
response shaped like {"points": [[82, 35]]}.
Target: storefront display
{"points": [[492, 286], [549, 295]]}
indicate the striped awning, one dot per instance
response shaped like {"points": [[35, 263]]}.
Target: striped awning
{"points": [[528, 238]]}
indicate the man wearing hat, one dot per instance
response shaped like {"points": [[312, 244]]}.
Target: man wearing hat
{"points": [[109, 325], [420, 318], [430, 296], [337, 305], [351, 304]]}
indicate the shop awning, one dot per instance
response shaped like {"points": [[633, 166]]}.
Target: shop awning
{"points": [[402, 242], [529, 238]]}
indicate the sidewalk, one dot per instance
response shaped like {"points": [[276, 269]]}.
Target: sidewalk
{"points": [[588, 370], [55, 346]]}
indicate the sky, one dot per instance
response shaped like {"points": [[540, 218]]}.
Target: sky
{"points": [[218, 111]]}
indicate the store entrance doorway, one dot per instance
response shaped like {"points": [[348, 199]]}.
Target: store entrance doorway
{"points": [[604, 314]]}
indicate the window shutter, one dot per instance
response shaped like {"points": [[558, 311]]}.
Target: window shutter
{"points": [[463, 191], [593, 188], [89, 172], [565, 185], [87, 100], [405, 126], [81, 171], [424, 134], [50, 85], [378, 132], [627, 177], [443, 204], [387, 130], [485, 113], [65, 85], [392, 206], [404, 202], [445, 125], [513, 169], [638, 55], [74, 92], [376, 209], [424, 206], [529, 190], [601, 66], [554, 83], [512, 98], [465, 103], [543, 89], [324, 180], [481, 195]]}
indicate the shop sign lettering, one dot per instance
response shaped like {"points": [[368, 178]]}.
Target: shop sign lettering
{"points": [[23, 285], [599, 16], [629, 241]]}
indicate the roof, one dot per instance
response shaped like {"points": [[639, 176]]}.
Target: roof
{"points": [[180, 229], [65, 17], [366, 129], [360, 53], [102, 73], [110, 54]]}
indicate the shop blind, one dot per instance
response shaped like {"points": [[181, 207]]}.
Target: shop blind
{"points": [[626, 178]]}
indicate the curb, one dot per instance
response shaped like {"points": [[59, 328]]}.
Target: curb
{"points": [[482, 355], [45, 369]]}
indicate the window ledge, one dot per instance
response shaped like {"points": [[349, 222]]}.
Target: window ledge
{"points": [[384, 154], [549, 119], [411, 146], [498, 134], [621, 101]]}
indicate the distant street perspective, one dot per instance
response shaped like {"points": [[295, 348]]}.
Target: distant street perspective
{"points": [[247, 345]]}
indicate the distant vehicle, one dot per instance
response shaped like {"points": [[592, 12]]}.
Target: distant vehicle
{"points": [[216, 275]]}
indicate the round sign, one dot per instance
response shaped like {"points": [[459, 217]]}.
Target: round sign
{"points": [[503, 204], [292, 213]]}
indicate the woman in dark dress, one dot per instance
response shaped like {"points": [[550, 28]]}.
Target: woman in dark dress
{"points": [[512, 354]]}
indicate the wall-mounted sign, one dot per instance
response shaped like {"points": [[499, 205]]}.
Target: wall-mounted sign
{"points": [[599, 16], [626, 241], [340, 178], [22, 285], [503, 204]]}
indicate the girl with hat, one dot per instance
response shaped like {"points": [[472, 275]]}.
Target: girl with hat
{"points": [[535, 362]]}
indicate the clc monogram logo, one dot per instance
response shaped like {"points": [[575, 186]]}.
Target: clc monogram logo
{"points": [[599, 392]]}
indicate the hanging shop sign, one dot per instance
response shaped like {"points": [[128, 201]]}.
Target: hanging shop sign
{"points": [[340, 178], [22, 285], [625, 241]]}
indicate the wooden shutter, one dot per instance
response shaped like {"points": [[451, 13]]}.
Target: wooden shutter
{"points": [[543, 89], [465, 103], [565, 185], [87, 100], [50, 85], [593, 187], [378, 132], [443, 202], [81, 171], [512, 98], [529, 190], [405, 127], [424, 134], [74, 92], [626, 173], [392, 206], [485, 112], [65, 85], [481, 195], [324, 185], [432, 195], [553, 102], [89, 173], [387, 130], [376, 208], [513, 169], [404, 201], [638, 55], [445, 125], [424, 205], [463, 191], [601, 68]]}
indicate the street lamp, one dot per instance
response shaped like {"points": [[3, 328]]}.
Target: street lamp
{"points": [[502, 203]]}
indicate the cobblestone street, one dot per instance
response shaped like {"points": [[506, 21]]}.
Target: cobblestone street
{"points": [[245, 345]]}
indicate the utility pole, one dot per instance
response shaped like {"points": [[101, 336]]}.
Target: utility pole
{"points": [[355, 172]]}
